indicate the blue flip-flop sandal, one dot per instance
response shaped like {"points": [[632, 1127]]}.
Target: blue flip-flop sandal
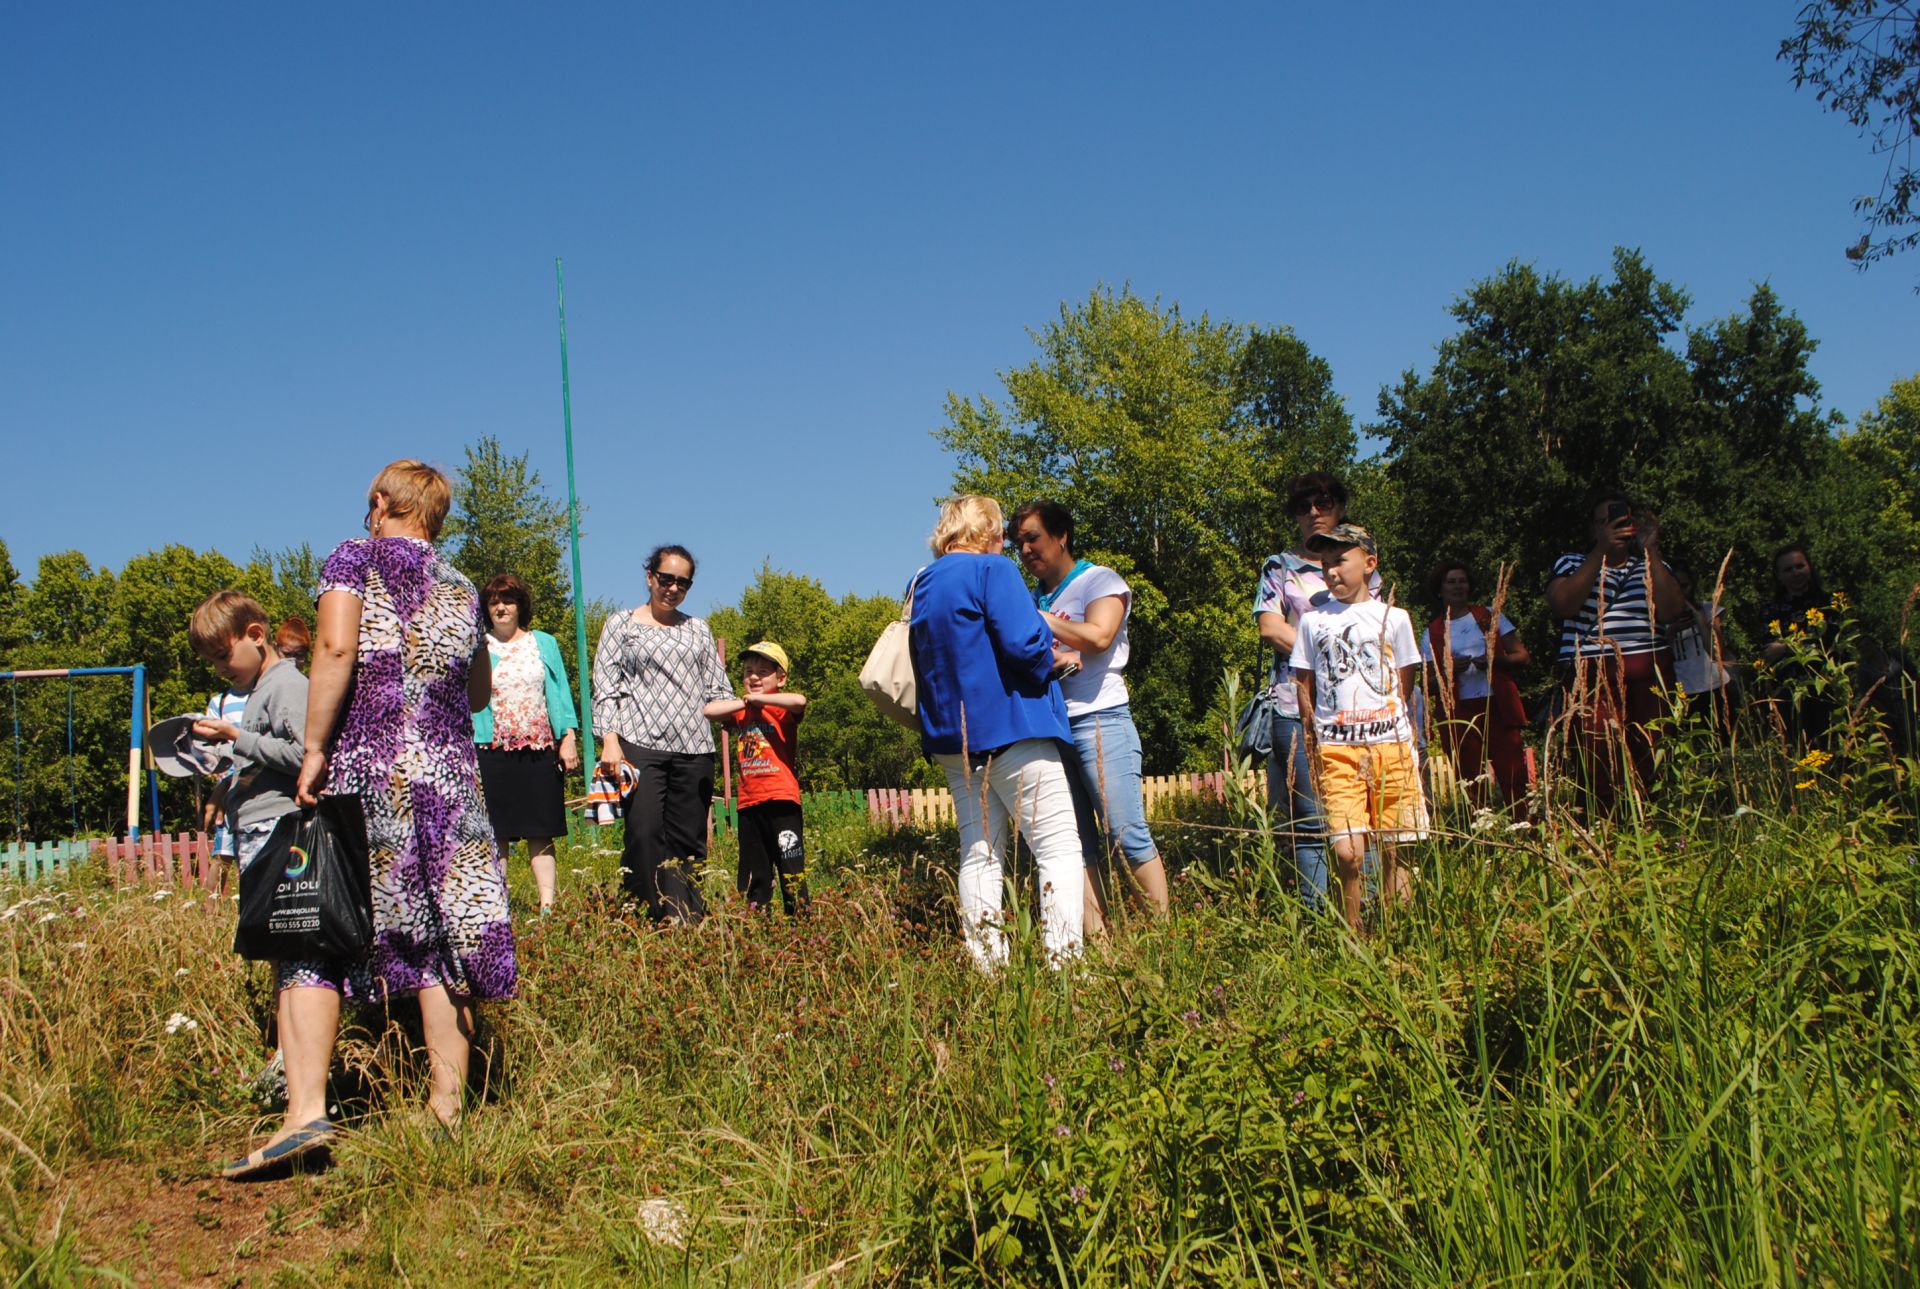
{"points": [[314, 1136]]}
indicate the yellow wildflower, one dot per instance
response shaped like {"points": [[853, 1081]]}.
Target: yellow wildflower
{"points": [[1774, 626], [1839, 600], [1814, 759], [1816, 619], [1793, 629], [1804, 785]]}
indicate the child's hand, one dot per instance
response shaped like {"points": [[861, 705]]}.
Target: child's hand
{"points": [[215, 731]]}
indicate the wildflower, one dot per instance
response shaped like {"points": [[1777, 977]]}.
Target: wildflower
{"points": [[1115, 1064], [1774, 626], [184, 971], [1062, 1131], [1839, 601], [1049, 1080], [1814, 759], [1795, 629], [181, 1023], [48, 917], [1299, 1098], [1804, 784], [162, 895], [664, 1221], [1190, 1016], [1077, 1193], [1816, 619], [1483, 820]]}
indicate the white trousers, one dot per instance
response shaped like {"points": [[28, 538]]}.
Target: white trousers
{"points": [[1026, 783]]}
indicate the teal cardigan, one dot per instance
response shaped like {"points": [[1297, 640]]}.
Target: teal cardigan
{"points": [[560, 713]]}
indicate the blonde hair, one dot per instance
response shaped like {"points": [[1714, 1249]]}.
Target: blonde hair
{"points": [[222, 618], [414, 489], [967, 523]]}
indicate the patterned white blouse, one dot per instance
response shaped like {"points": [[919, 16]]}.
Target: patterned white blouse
{"points": [[651, 683]]}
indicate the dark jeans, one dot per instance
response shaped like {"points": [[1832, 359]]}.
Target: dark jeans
{"points": [[771, 840], [667, 832]]}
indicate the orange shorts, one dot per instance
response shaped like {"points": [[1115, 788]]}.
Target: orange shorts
{"points": [[1372, 788]]}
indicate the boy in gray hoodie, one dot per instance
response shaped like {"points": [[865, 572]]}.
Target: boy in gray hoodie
{"points": [[229, 629]]}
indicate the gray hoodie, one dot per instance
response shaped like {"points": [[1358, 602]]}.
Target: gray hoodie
{"points": [[273, 732]]}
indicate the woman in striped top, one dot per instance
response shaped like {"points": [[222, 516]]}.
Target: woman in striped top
{"points": [[1611, 602]]}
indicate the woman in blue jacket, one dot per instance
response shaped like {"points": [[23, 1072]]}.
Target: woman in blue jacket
{"points": [[527, 734], [992, 716]]}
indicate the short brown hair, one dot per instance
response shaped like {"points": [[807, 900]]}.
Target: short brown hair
{"points": [[222, 618], [294, 639], [417, 489], [510, 589]]}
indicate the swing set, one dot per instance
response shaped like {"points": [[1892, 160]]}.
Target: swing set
{"points": [[136, 753]]}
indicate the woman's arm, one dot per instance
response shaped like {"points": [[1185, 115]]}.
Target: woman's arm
{"points": [[1095, 635], [1276, 631], [1567, 594], [336, 645], [480, 678]]}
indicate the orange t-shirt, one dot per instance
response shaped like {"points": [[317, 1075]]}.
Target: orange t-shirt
{"points": [[763, 740]]}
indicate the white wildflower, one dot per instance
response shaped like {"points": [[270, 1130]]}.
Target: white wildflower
{"points": [[1520, 825], [161, 895], [48, 917], [183, 971], [664, 1221], [181, 1023], [1484, 820]]}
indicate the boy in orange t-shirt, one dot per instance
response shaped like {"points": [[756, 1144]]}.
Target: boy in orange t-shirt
{"points": [[764, 723]]}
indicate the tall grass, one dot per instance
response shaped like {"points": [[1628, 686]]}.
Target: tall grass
{"points": [[1678, 1051]]}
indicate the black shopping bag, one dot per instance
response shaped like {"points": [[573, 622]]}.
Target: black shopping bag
{"points": [[307, 893]]}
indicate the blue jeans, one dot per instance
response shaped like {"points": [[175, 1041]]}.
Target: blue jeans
{"points": [[1105, 779], [1294, 806]]}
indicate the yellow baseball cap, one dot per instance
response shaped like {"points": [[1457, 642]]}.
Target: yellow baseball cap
{"points": [[772, 652]]}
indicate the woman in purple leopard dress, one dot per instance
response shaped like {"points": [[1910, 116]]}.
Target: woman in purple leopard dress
{"points": [[400, 666]]}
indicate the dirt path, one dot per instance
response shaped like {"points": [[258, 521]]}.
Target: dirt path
{"points": [[200, 1231]]}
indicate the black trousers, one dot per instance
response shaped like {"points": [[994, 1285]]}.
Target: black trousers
{"points": [[667, 832], [770, 842]]}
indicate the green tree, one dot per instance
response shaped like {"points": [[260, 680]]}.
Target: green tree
{"points": [[1552, 388], [503, 522], [1171, 440], [1865, 534], [1862, 58], [845, 742]]}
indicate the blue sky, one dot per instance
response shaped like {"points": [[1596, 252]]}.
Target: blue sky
{"points": [[253, 252]]}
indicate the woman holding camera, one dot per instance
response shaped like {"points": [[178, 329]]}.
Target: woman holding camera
{"points": [[1612, 601]]}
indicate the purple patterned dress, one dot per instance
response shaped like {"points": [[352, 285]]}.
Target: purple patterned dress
{"points": [[405, 747]]}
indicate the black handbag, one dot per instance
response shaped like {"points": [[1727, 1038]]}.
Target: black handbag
{"points": [[1253, 730], [308, 894]]}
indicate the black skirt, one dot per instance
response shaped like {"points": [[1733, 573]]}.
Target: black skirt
{"points": [[525, 792]]}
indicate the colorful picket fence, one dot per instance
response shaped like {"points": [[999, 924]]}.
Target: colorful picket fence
{"points": [[33, 860], [816, 806], [895, 808], [183, 859]]}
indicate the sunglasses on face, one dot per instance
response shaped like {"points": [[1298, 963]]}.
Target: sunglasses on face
{"points": [[1321, 502], [672, 581]]}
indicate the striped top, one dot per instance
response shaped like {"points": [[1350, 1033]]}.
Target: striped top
{"points": [[1619, 599]]}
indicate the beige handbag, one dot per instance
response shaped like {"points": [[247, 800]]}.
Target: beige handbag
{"points": [[888, 674]]}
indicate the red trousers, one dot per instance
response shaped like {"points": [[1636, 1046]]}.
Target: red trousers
{"points": [[1618, 697], [1468, 741]]}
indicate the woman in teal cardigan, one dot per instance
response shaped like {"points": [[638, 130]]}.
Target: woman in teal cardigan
{"points": [[526, 734]]}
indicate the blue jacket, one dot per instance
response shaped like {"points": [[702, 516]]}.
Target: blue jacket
{"points": [[979, 644], [560, 713]]}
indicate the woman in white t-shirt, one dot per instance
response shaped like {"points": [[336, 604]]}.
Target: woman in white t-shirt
{"points": [[1698, 650], [1087, 606], [1476, 704]]}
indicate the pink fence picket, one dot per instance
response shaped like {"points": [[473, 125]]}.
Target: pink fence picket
{"points": [[183, 860]]}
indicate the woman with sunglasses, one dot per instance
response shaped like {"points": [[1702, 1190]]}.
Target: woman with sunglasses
{"points": [[1290, 584], [655, 672]]}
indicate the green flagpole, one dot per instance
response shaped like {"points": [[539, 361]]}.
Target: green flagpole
{"points": [[573, 532]]}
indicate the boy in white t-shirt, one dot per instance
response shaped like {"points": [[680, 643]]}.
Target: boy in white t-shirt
{"points": [[1355, 662]]}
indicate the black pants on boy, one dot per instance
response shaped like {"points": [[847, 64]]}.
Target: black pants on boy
{"points": [[667, 832], [770, 841]]}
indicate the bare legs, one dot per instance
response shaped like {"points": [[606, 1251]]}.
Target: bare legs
{"points": [[448, 1025], [1349, 859], [1149, 886], [545, 868], [309, 1019]]}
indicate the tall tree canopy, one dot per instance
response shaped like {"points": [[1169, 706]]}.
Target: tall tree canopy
{"points": [[1552, 388], [1862, 58], [1171, 440]]}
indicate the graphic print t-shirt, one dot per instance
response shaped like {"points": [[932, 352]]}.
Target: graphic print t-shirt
{"points": [[763, 746], [1355, 652]]}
